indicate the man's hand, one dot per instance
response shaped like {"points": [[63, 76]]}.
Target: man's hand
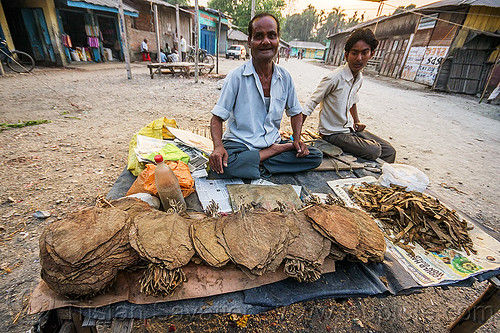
{"points": [[301, 148], [218, 159], [359, 127]]}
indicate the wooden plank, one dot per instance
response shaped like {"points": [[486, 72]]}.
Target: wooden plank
{"points": [[122, 325], [184, 68], [67, 327], [478, 312], [77, 321]]}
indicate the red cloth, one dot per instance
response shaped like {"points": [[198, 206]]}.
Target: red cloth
{"points": [[145, 56]]}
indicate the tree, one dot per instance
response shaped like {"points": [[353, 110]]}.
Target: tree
{"points": [[180, 2], [240, 10], [354, 20], [330, 24], [313, 26], [301, 26], [401, 9]]}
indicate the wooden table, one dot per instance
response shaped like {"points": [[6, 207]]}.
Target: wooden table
{"points": [[183, 68]]}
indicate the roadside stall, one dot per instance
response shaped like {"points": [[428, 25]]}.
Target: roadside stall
{"points": [[350, 228]]}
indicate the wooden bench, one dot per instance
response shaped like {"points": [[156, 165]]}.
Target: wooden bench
{"points": [[183, 68]]}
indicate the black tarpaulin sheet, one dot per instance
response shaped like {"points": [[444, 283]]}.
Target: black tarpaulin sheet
{"points": [[350, 279]]}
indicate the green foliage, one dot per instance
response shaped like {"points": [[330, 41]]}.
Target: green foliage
{"points": [[4, 126], [180, 2], [240, 10], [401, 9], [331, 24], [311, 25], [301, 26], [354, 20]]}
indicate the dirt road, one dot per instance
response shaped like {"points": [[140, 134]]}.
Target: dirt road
{"points": [[94, 111]]}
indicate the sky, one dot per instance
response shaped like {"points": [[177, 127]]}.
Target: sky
{"points": [[349, 6]]}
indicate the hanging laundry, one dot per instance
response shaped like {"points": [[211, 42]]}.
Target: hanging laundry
{"points": [[93, 41]]}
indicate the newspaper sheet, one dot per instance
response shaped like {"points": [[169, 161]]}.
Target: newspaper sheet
{"points": [[147, 145], [197, 160], [431, 268], [216, 190]]}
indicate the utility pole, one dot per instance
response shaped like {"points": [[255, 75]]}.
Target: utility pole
{"points": [[178, 23], [196, 38], [253, 9], [123, 35], [157, 29], [218, 41]]}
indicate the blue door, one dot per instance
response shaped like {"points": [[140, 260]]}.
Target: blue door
{"points": [[207, 41], [38, 34]]}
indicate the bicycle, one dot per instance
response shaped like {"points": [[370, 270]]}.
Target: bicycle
{"points": [[203, 56], [18, 61]]}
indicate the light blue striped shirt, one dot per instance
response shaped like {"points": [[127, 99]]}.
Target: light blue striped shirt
{"points": [[242, 104]]}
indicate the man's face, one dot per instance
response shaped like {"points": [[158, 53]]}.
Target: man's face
{"points": [[358, 56], [264, 41]]}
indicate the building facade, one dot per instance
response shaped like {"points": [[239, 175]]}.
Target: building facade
{"points": [[450, 45], [311, 50], [212, 23]]}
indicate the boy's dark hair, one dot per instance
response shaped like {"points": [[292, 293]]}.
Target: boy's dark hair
{"points": [[364, 34], [258, 16]]}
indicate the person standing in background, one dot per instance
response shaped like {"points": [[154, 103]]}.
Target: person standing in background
{"points": [[183, 48], [145, 50]]}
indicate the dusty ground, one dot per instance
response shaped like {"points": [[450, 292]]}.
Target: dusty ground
{"points": [[94, 111]]}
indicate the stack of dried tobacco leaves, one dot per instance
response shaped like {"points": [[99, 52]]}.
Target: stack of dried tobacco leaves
{"points": [[415, 217], [350, 230], [257, 240], [82, 253], [205, 242], [308, 251], [163, 240]]}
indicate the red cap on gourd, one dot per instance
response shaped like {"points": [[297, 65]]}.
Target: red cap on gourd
{"points": [[158, 158]]}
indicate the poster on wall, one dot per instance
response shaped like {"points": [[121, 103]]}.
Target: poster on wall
{"points": [[434, 56], [415, 57]]}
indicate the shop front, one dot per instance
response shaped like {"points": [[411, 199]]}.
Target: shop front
{"points": [[90, 31], [30, 29]]}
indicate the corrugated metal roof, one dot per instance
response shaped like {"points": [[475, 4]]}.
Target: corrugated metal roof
{"points": [[166, 4], [306, 45], [438, 4], [106, 3], [361, 25], [237, 35], [444, 3]]}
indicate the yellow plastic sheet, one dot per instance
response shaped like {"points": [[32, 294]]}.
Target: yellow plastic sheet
{"points": [[156, 129]]}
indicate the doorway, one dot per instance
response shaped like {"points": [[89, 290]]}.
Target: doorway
{"points": [[29, 31], [110, 38]]}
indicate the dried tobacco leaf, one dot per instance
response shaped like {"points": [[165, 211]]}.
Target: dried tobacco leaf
{"points": [[82, 253], [335, 223], [257, 240], [205, 242], [162, 238], [160, 281], [414, 217]]}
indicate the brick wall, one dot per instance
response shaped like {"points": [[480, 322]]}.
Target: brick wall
{"points": [[143, 27]]}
